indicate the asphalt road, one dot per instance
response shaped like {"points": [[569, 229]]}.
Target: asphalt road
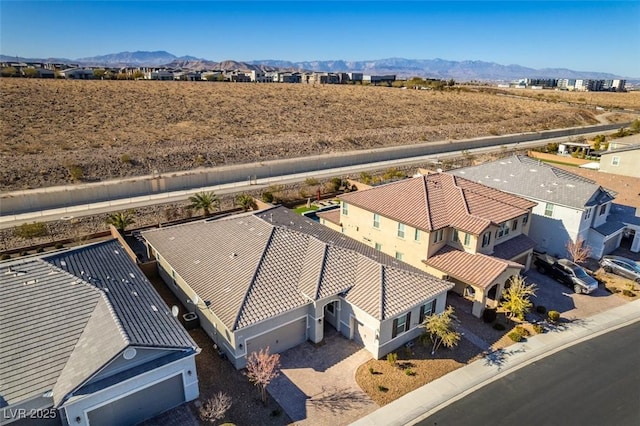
{"points": [[596, 382]]}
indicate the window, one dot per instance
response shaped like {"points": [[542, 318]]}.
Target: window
{"points": [[548, 210], [587, 214], [525, 219], [603, 209], [486, 238], [427, 310], [437, 236], [455, 237], [378, 246], [514, 226], [467, 239], [376, 220], [502, 231], [401, 230], [399, 255], [416, 235], [400, 325], [345, 208], [615, 161]]}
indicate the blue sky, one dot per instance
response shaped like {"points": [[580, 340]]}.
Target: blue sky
{"points": [[580, 35]]}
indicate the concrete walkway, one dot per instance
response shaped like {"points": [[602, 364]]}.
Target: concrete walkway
{"points": [[425, 401]]}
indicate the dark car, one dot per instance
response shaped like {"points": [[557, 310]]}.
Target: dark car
{"points": [[566, 272], [621, 266]]}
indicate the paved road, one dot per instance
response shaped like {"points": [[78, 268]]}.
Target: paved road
{"points": [[596, 382]]}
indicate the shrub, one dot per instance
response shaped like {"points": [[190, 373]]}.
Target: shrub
{"points": [[409, 372], [525, 332], [75, 172], [23, 253], [515, 335], [371, 370], [125, 159], [267, 197], [40, 250], [541, 309], [554, 316], [59, 245], [336, 183], [382, 388], [498, 326], [489, 315], [539, 329], [32, 230], [392, 358], [5, 256], [311, 182], [628, 293]]}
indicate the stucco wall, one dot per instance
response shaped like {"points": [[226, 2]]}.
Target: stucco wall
{"points": [[628, 164]]}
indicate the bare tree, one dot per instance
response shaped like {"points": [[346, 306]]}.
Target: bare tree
{"points": [[442, 329], [516, 298], [215, 407], [262, 368], [578, 251]]}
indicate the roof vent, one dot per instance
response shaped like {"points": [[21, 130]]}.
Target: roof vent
{"points": [[554, 184], [532, 170], [197, 261], [131, 275], [570, 185], [232, 255], [116, 252], [33, 281], [63, 263], [172, 238], [135, 293], [153, 308], [496, 180]]}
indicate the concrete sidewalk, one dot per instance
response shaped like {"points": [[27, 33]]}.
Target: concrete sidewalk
{"points": [[425, 401]]}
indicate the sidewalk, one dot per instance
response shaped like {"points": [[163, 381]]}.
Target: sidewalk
{"points": [[428, 399]]}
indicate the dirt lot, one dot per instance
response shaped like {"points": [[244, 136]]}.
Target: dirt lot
{"points": [[56, 131]]}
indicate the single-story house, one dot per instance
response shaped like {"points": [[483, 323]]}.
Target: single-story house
{"points": [[86, 339], [276, 279]]}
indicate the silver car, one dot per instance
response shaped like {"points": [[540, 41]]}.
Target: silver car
{"points": [[621, 266]]}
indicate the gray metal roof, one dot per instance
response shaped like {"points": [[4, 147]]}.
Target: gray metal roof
{"points": [[63, 317], [610, 227], [250, 268], [536, 180], [624, 214]]}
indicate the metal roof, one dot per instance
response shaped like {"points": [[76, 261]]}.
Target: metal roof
{"points": [[534, 179], [634, 147], [253, 267]]}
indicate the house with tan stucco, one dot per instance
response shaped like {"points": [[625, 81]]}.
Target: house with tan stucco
{"points": [[470, 234]]}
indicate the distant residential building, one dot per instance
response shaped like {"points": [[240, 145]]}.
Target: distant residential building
{"points": [[378, 79], [163, 75], [543, 82], [77, 73]]}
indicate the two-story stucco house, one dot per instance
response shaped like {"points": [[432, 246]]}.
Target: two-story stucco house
{"points": [[568, 207], [276, 279], [470, 234], [622, 161]]}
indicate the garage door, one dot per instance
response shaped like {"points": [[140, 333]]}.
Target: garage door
{"points": [[139, 406], [610, 245], [280, 339]]}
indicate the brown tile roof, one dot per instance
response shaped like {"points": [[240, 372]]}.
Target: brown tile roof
{"points": [[439, 200], [513, 247], [332, 216], [478, 269], [253, 267]]}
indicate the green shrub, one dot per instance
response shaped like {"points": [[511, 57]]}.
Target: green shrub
{"points": [[24, 253], [409, 372], [489, 315], [498, 326], [59, 246], [382, 388], [267, 197], [125, 159], [32, 230], [538, 328], [515, 335], [5, 256], [554, 316], [40, 250], [371, 370], [541, 309], [336, 183], [392, 358], [628, 293], [75, 172], [525, 332]]}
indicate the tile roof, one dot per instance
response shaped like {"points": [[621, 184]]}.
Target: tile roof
{"points": [[477, 269], [534, 179], [513, 247], [332, 216], [283, 261], [64, 316], [440, 200]]}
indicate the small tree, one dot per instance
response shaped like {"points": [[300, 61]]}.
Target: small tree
{"points": [[246, 201], [442, 329], [262, 368], [30, 72], [578, 251], [9, 72], [204, 201], [215, 407], [516, 298], [120, 220], [32, 230]]}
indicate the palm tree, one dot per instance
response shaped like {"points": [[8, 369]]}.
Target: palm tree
{"points": [[204, 201], [120, 220], [246, 201]]}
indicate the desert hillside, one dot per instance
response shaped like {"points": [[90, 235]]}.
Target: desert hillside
{"points": [[58, 131]]}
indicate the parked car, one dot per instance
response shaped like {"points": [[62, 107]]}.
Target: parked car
{"points": [[567, 273], [621, 266]]}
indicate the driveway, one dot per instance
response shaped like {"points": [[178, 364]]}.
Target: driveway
{"points": [[317, 383], [555, 296]]}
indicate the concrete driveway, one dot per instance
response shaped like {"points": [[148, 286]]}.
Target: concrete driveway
{"points": [[555, 296], [317, 383]]}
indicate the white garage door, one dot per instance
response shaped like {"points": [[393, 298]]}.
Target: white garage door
{"points": [[280, 339]]}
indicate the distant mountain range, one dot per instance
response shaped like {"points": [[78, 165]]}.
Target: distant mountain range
{"points": [[428, 68]]}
